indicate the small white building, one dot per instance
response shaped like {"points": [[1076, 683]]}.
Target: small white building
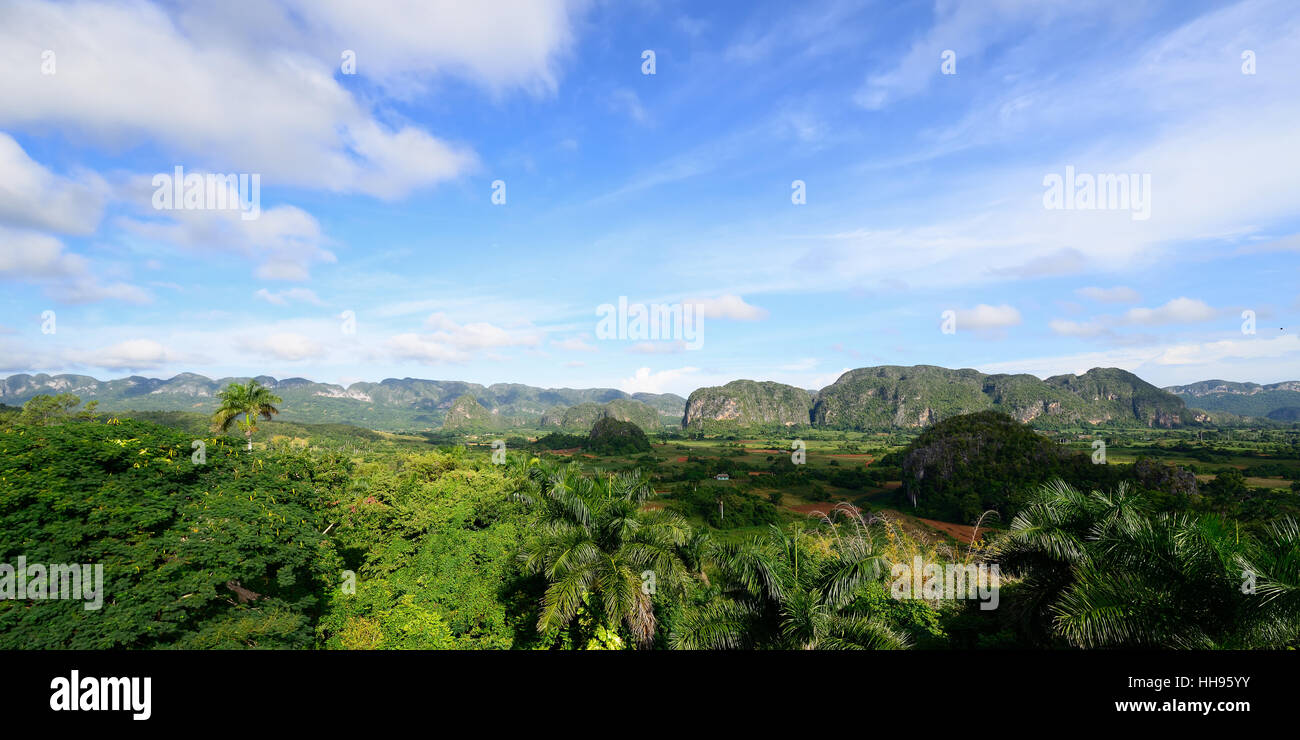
{"points": [[722, 476]]}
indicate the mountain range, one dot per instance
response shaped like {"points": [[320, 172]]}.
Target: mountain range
{"points": [[392, 404], [1277, 401], [893, 396], [864, 399]]}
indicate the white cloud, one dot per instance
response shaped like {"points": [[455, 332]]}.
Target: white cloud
{"points": [[807, 363], [661, 381], [628, 102], [1177, 311], [284, 241], [288, 346], [1118, 294], [41, 260], [133, 354], [1204, 353], [985, 316], [821, 381], [87, 289], [968, 29], [1186, 89], [33, 197], [1076, 328], [498, 44], [297, 123], [480, 335], [410, 346], [657, 348], [28, 254], [1061, 262], [449, 341], [284, 297], [729, 307], [1251, 358], [575, 344]]}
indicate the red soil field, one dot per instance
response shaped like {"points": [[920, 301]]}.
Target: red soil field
{"points": [[824, 507], [960, 532]]}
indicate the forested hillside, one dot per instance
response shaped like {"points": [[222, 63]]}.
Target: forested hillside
{"points": [[747, 403], [880, 397]]}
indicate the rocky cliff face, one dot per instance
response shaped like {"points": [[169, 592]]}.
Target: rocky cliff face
{"points": [[582, 416], [1241, 399], [1111, 394], [636, 412], [748, 403], [467, 413], [892, 396]]}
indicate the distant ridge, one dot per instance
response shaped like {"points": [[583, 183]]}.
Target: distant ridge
{"points": [[868, 398], [407, 403], [1244, 399]]}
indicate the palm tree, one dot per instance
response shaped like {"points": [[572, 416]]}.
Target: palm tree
{"points": [[777, 591], [1101, 570], [1044, 543], [593, 542], [251, 400], [1274, 562]]}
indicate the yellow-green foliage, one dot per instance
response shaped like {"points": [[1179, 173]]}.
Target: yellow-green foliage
{"points": [[435, 538]]}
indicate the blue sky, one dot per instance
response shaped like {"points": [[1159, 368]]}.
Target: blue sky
{"points": [[924, 189]]}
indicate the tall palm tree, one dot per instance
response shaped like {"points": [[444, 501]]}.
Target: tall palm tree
{"points": [[777, 591], [593, 542], [250, 400]]}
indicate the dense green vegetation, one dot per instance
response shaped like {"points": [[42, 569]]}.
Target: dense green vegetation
{"points": [[339, 538], [609, 436], [560, 441], [1102, 569], [968, 464], [986, 461], [432, 538], [184, 546], [727, 507]]}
